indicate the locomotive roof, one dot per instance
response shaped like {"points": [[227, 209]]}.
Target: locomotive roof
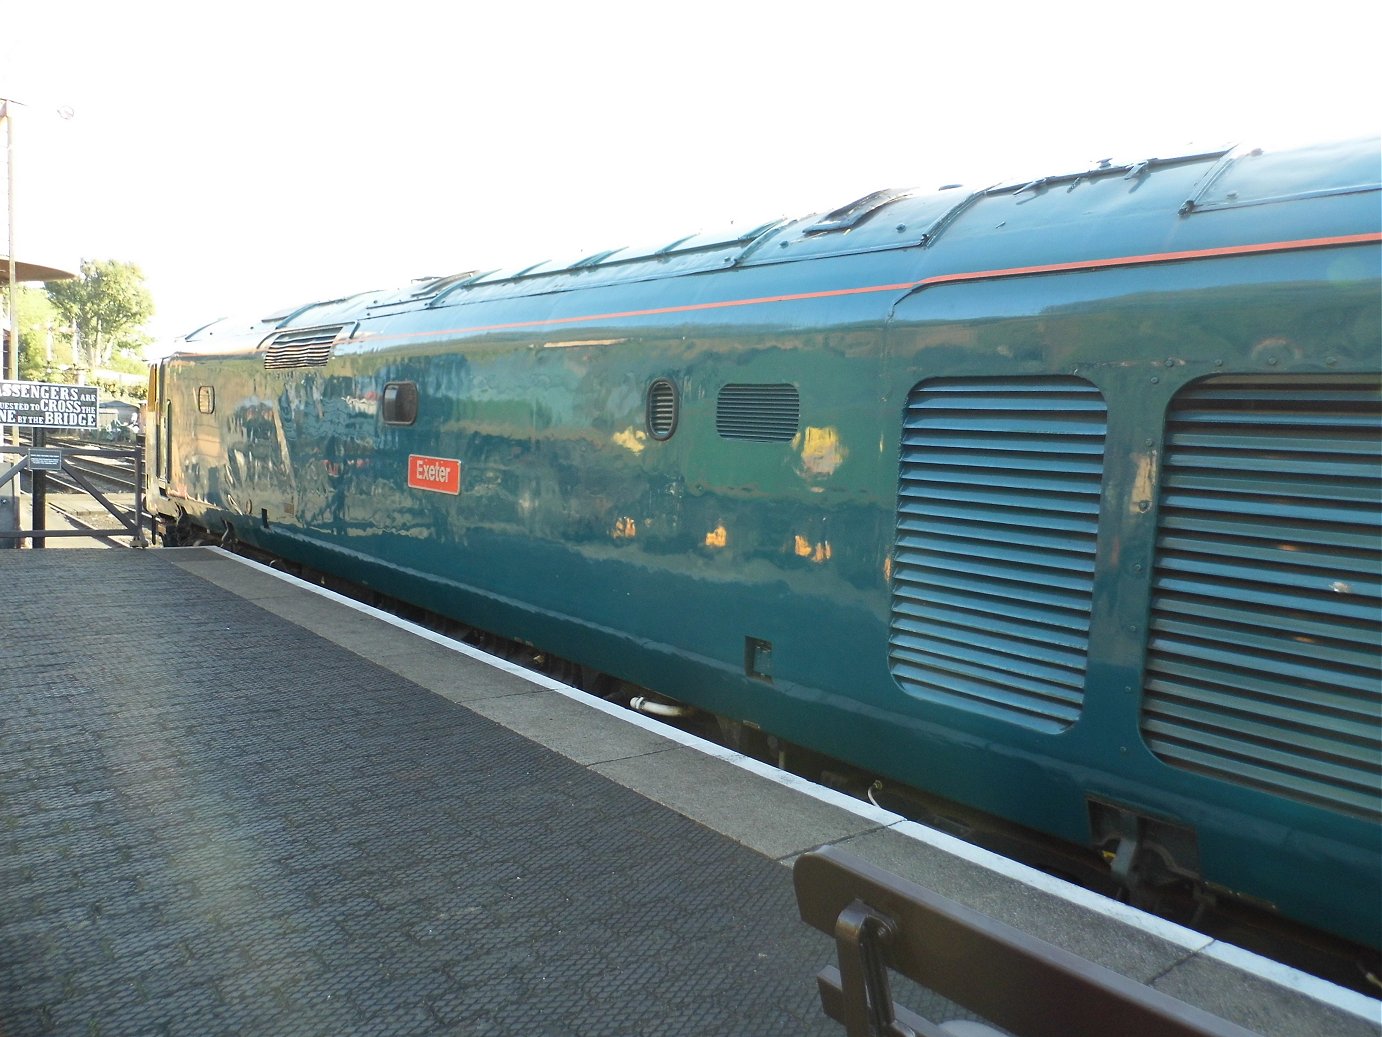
{"points": [[1107, 210]]}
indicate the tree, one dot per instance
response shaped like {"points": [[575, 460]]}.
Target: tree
{"points": [[44, 349], [105, 306]]}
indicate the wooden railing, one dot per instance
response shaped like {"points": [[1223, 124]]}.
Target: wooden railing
{"points": [[1028, 987]]}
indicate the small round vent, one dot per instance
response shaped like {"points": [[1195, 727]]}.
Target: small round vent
{"points": [[662, 409]]}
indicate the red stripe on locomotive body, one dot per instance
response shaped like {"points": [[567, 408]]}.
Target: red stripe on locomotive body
{"points": [[927, 282], [1156, 257]]}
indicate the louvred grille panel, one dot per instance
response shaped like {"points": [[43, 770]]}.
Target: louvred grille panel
{"points": [[998, 511], [1267, 611], [762, 413], [662, 409], [302, 347]]}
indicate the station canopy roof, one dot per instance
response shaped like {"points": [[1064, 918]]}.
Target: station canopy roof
{"points": [[31, 272]]}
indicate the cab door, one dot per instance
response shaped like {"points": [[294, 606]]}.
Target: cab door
{"points": [[159, 446]]}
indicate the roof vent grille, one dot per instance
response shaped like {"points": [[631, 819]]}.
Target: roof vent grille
{"points": [[302, 347]]}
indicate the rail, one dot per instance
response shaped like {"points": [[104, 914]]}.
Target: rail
{"points": [[1026, 986]]}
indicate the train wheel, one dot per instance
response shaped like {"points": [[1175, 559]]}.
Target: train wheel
{"points": [[178, 533]]}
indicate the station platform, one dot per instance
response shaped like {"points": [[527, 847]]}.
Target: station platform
{"points": [[234, 803]]}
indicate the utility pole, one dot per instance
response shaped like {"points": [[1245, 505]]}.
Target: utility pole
{"points": [[7, 116], [11, 311]]}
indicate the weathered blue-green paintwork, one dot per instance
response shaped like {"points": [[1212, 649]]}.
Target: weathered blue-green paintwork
{"points": [[655, 561]]}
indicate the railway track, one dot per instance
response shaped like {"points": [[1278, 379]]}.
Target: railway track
{"points": [[109, 474], [79, 519]]}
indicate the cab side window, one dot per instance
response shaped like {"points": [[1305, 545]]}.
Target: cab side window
{"points": [[400, 403]]}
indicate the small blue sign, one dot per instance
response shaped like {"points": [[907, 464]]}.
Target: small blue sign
{"points": [[45, 459]]}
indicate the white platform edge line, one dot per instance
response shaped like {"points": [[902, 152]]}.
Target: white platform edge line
{"points": [[1352, 1002]]}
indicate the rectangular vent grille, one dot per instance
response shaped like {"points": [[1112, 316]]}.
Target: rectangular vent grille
{"points": [[761, 413], [993, 572], [301, 347], [1262, 666]]}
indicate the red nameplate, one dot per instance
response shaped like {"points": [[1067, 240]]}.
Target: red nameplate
{"points": [[439, 474]]}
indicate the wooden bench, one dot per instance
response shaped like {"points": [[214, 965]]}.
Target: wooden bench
{"points": [[1029, 987]]}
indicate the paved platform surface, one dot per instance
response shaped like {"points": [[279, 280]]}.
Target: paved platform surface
{"points": [[216, 822], [231, 806]]}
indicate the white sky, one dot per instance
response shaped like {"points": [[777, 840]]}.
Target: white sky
{"points": [[252, 155]]}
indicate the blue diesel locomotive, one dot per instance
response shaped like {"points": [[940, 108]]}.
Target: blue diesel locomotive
{"points": [[1058, 499]]}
